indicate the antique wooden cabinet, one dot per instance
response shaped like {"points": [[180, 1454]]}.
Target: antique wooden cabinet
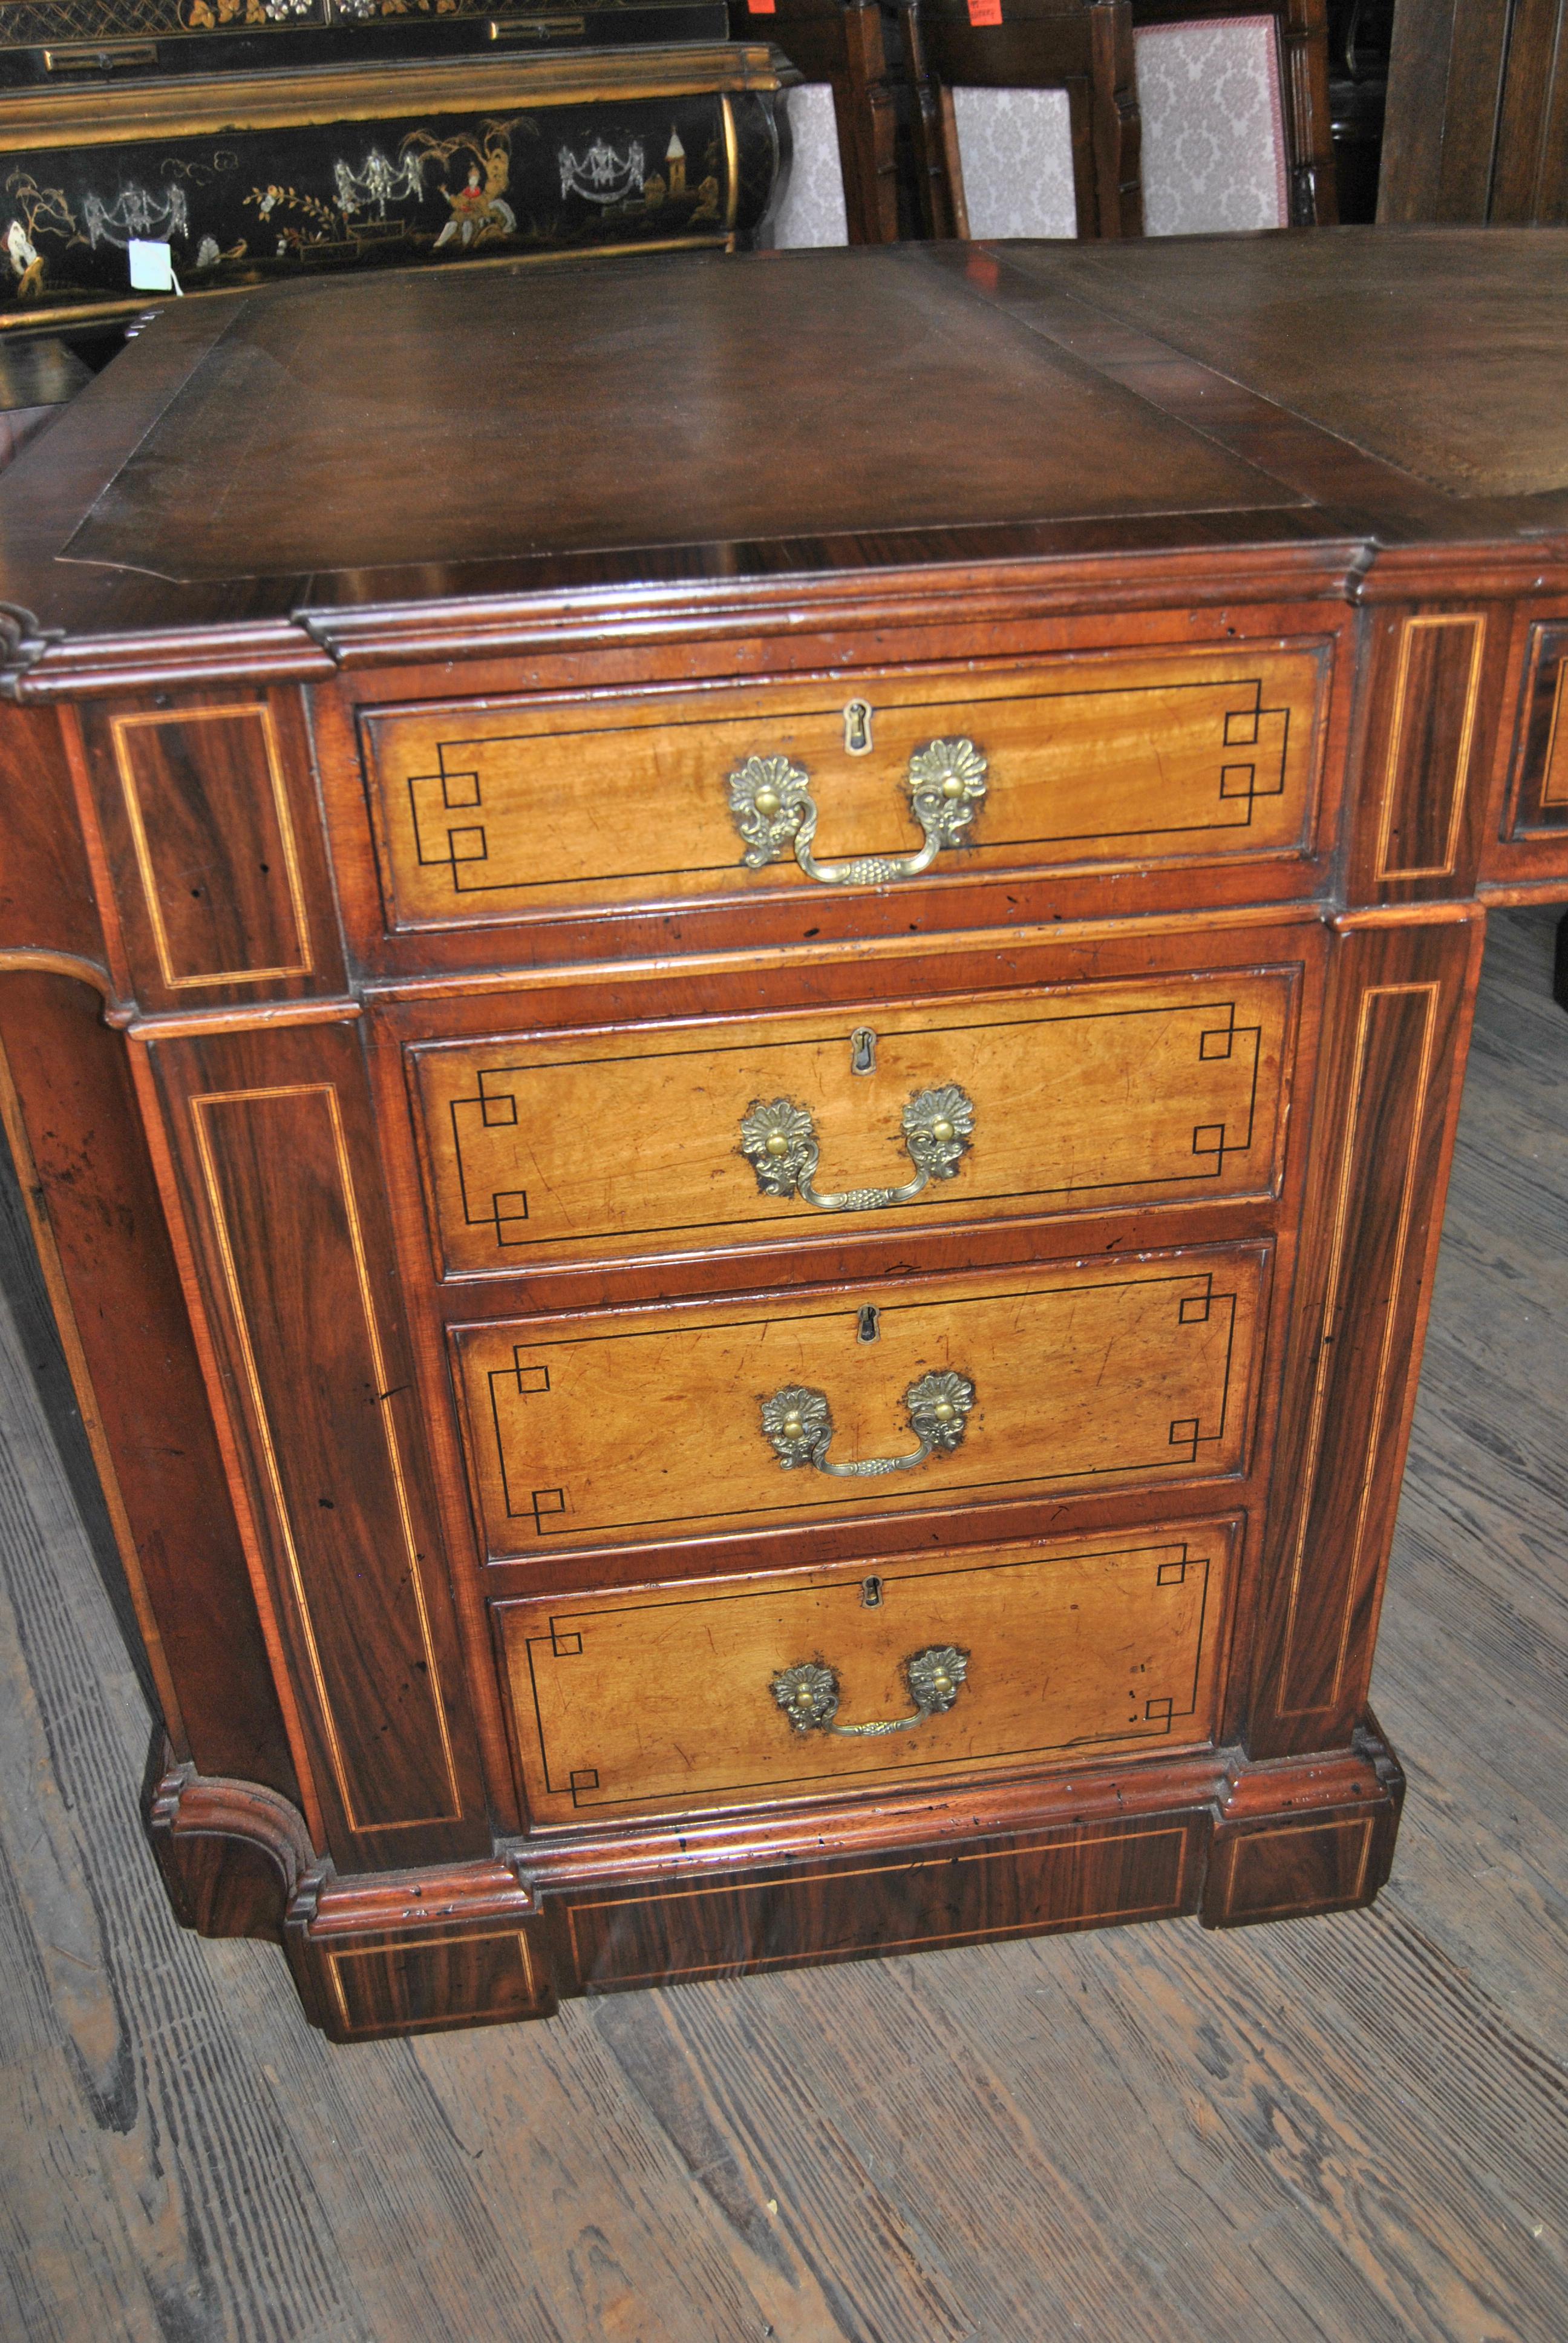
{"points": [[733, 994], [268, 140]]}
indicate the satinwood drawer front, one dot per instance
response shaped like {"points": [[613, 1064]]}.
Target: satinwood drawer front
{"points": [[717, 1693], [489, 809], [545, 1147], [621, 1425]]}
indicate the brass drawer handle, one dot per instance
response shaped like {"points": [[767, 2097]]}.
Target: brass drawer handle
{"points": [[779, 1142], [808, 1693], [799, 1423], [771, 799]]}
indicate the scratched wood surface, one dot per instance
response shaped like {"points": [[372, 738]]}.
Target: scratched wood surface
{"points": [[1354, 2128]]}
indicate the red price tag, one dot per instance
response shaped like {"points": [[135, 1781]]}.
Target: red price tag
{"points": [[761, 7], [985, 11]]}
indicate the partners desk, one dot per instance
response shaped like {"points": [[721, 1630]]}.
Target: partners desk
{"points": [[734, 997]]}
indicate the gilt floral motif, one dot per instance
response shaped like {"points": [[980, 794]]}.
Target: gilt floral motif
{"points": [[798, 1423], [938, 1404], [778, 1141], [947, 788], [938, 1127], [769, 798], [808, 1694]]}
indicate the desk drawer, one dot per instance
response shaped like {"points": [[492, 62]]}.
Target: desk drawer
{"points": [[622, 1426], [551, 1148], [736, 1691], [492, 809]]}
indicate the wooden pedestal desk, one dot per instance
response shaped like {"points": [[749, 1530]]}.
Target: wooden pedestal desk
{"points": [[734, 998]]}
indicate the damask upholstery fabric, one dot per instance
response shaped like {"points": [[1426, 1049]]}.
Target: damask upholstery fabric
{"points": [[1016, 149], [1213, 127], [812, 211]]}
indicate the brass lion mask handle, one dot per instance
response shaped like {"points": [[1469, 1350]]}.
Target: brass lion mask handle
{"points": [[799, 1423], [770, 801], [808, 1693], [779, 1140]]}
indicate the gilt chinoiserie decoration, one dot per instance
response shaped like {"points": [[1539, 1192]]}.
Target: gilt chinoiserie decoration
{"points": [[346, 165], [733, 992]]}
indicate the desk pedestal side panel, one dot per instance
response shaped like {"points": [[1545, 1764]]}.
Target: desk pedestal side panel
{"points": [[68, 1106], [272, 1178], [1401, 1001]]}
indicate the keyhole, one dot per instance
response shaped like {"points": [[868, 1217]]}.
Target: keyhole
{"points": [[862, 1051], [858, 727], [869, 1327], [871, 1594]]}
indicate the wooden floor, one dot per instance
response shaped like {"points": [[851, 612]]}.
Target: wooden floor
{"points": [[1354, 2128]]}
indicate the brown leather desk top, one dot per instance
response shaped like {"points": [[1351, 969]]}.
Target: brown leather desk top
{"points": [[622, 425]]}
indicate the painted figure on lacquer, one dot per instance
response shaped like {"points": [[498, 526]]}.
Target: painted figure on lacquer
{"points": [[35, 212], [479, 214]]}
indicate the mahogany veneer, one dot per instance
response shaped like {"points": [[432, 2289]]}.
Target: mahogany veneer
{"points": [[504, 1119]]}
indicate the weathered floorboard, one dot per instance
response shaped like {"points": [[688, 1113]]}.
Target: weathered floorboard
{"points": [[1353, 2127]]}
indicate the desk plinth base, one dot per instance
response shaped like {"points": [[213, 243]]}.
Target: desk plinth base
{"points": [[490, 1942]]}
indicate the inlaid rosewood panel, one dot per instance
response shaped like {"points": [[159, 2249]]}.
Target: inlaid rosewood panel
{"points": [[206, 821], [983, 1891], [663, 1697], [428, 1982], [286, 1232], [1431, 734], [1400, 1010], [542, 1147], [209, 770], [1526, 842], [487, 811], [1539, 799], [624, 1424]]}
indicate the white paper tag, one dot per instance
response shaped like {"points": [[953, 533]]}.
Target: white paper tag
{"points": [[152, 266]]}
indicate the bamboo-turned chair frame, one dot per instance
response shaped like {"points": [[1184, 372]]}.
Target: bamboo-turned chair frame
{"points": [[840, 42], [1302, 30], [1084, 48]]}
